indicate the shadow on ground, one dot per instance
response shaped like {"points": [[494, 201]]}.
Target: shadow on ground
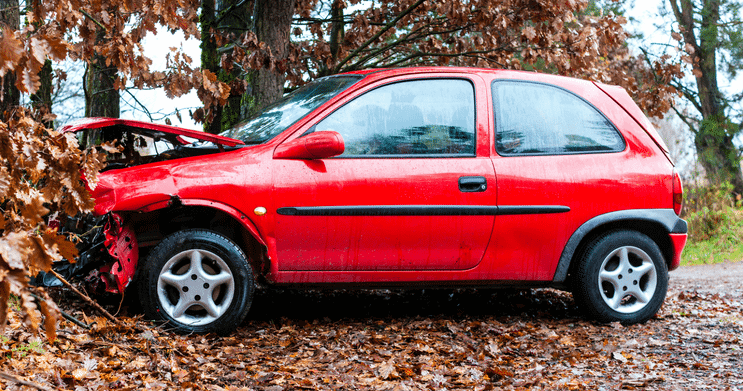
{"points": [[274, 304]]}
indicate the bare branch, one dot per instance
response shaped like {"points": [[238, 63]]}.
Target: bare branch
{"points": [[689, 95], [371, 40], [87, 15], [412, 36], [685, 119], [86, 298], [144, 108]]}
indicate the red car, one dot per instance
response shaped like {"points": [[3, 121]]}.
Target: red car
{"points": [[413, 177]]}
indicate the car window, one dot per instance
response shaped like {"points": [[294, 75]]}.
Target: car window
{"points": [[420, 117], [534, 118], [278, 116]]}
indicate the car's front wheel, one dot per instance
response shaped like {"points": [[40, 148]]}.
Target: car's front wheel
{"points": [[197, 281], [622, 277]]}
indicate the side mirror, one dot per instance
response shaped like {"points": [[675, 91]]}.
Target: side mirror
{"points": [[317, 145]]}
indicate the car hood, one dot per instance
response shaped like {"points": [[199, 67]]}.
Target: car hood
{"points": [[150, 128]]}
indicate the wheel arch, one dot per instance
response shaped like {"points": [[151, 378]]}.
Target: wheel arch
{"points": [[655, 223], [156, 221]]}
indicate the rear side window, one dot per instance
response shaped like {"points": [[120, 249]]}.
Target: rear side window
{"points": [[411, 118], [540, 119]]}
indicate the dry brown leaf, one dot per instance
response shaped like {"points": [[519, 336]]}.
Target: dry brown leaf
{"points": [[4, 298], [11, 51], [50, 311], [14, 248], [31, 314]]}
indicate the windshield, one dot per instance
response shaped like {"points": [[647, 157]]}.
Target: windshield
{"points": [[278, 116]]}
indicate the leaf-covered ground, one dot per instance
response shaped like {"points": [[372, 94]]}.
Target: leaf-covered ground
{"points": [[413, 340]]}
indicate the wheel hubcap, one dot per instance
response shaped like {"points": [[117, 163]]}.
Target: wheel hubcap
{"points": [[627, 279], [195, 287]]}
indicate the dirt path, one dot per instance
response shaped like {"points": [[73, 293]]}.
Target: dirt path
{"points": [[720, 278]]}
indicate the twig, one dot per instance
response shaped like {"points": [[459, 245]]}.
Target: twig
{"points": [[74, 320], [389, 25], [14, 379], [87, 15], [87, 299], [228, 11], [684, 119], [140, 104]]}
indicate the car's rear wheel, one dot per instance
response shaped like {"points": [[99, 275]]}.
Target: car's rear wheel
{"points": [[197, 281], [622, 277]]}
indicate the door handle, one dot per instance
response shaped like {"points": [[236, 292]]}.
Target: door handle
{"points": [[471, 184]]}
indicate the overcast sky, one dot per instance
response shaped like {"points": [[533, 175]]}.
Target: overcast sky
{"points": [[156, 47]]}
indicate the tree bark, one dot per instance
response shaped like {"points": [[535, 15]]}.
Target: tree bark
{"points": [[42, 99], [101, 98], [210, 59], [10, 97], [337, 28], [233, 17], [272, 21], [714, 134]]}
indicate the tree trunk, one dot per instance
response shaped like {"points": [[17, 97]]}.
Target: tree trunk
{"points": [[210, 60], [337, 28], [272, 20], [233, 17], [715, 133], [10, 97], [101, 98], [42, 99]]}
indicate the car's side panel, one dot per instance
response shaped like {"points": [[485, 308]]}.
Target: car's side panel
{"points": [[590, 184], [236, 183], [530, 246]]}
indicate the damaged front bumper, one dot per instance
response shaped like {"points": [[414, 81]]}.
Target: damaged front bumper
{"points": [[108, 254]]}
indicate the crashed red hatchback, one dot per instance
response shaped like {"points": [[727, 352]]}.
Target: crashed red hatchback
{"points": [[390, 178]]}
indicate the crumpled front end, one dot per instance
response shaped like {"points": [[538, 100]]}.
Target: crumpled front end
{"points": [[108, 254], [121, 244]]}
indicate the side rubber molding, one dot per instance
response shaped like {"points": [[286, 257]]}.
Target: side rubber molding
{"points": [[420, 210], [665, 217]]}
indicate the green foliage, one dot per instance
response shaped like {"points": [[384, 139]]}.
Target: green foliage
{"points": [[603, 7], [12, 350], [731, 37], [717, 152], [14, 303], [715, 225]]}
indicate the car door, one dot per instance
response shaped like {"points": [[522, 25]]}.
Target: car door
{"points": [[412, 191]]}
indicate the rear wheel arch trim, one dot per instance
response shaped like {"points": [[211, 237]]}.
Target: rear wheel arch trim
{"points": [[666, 218]]}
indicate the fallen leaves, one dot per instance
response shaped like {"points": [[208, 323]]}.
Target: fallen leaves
{"points": [[389, 340]]}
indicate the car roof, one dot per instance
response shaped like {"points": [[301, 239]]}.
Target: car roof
{"points": [[382, 73]]}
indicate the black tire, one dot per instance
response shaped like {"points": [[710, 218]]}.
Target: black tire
{"points": [[621, 277], [190, 299]]}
